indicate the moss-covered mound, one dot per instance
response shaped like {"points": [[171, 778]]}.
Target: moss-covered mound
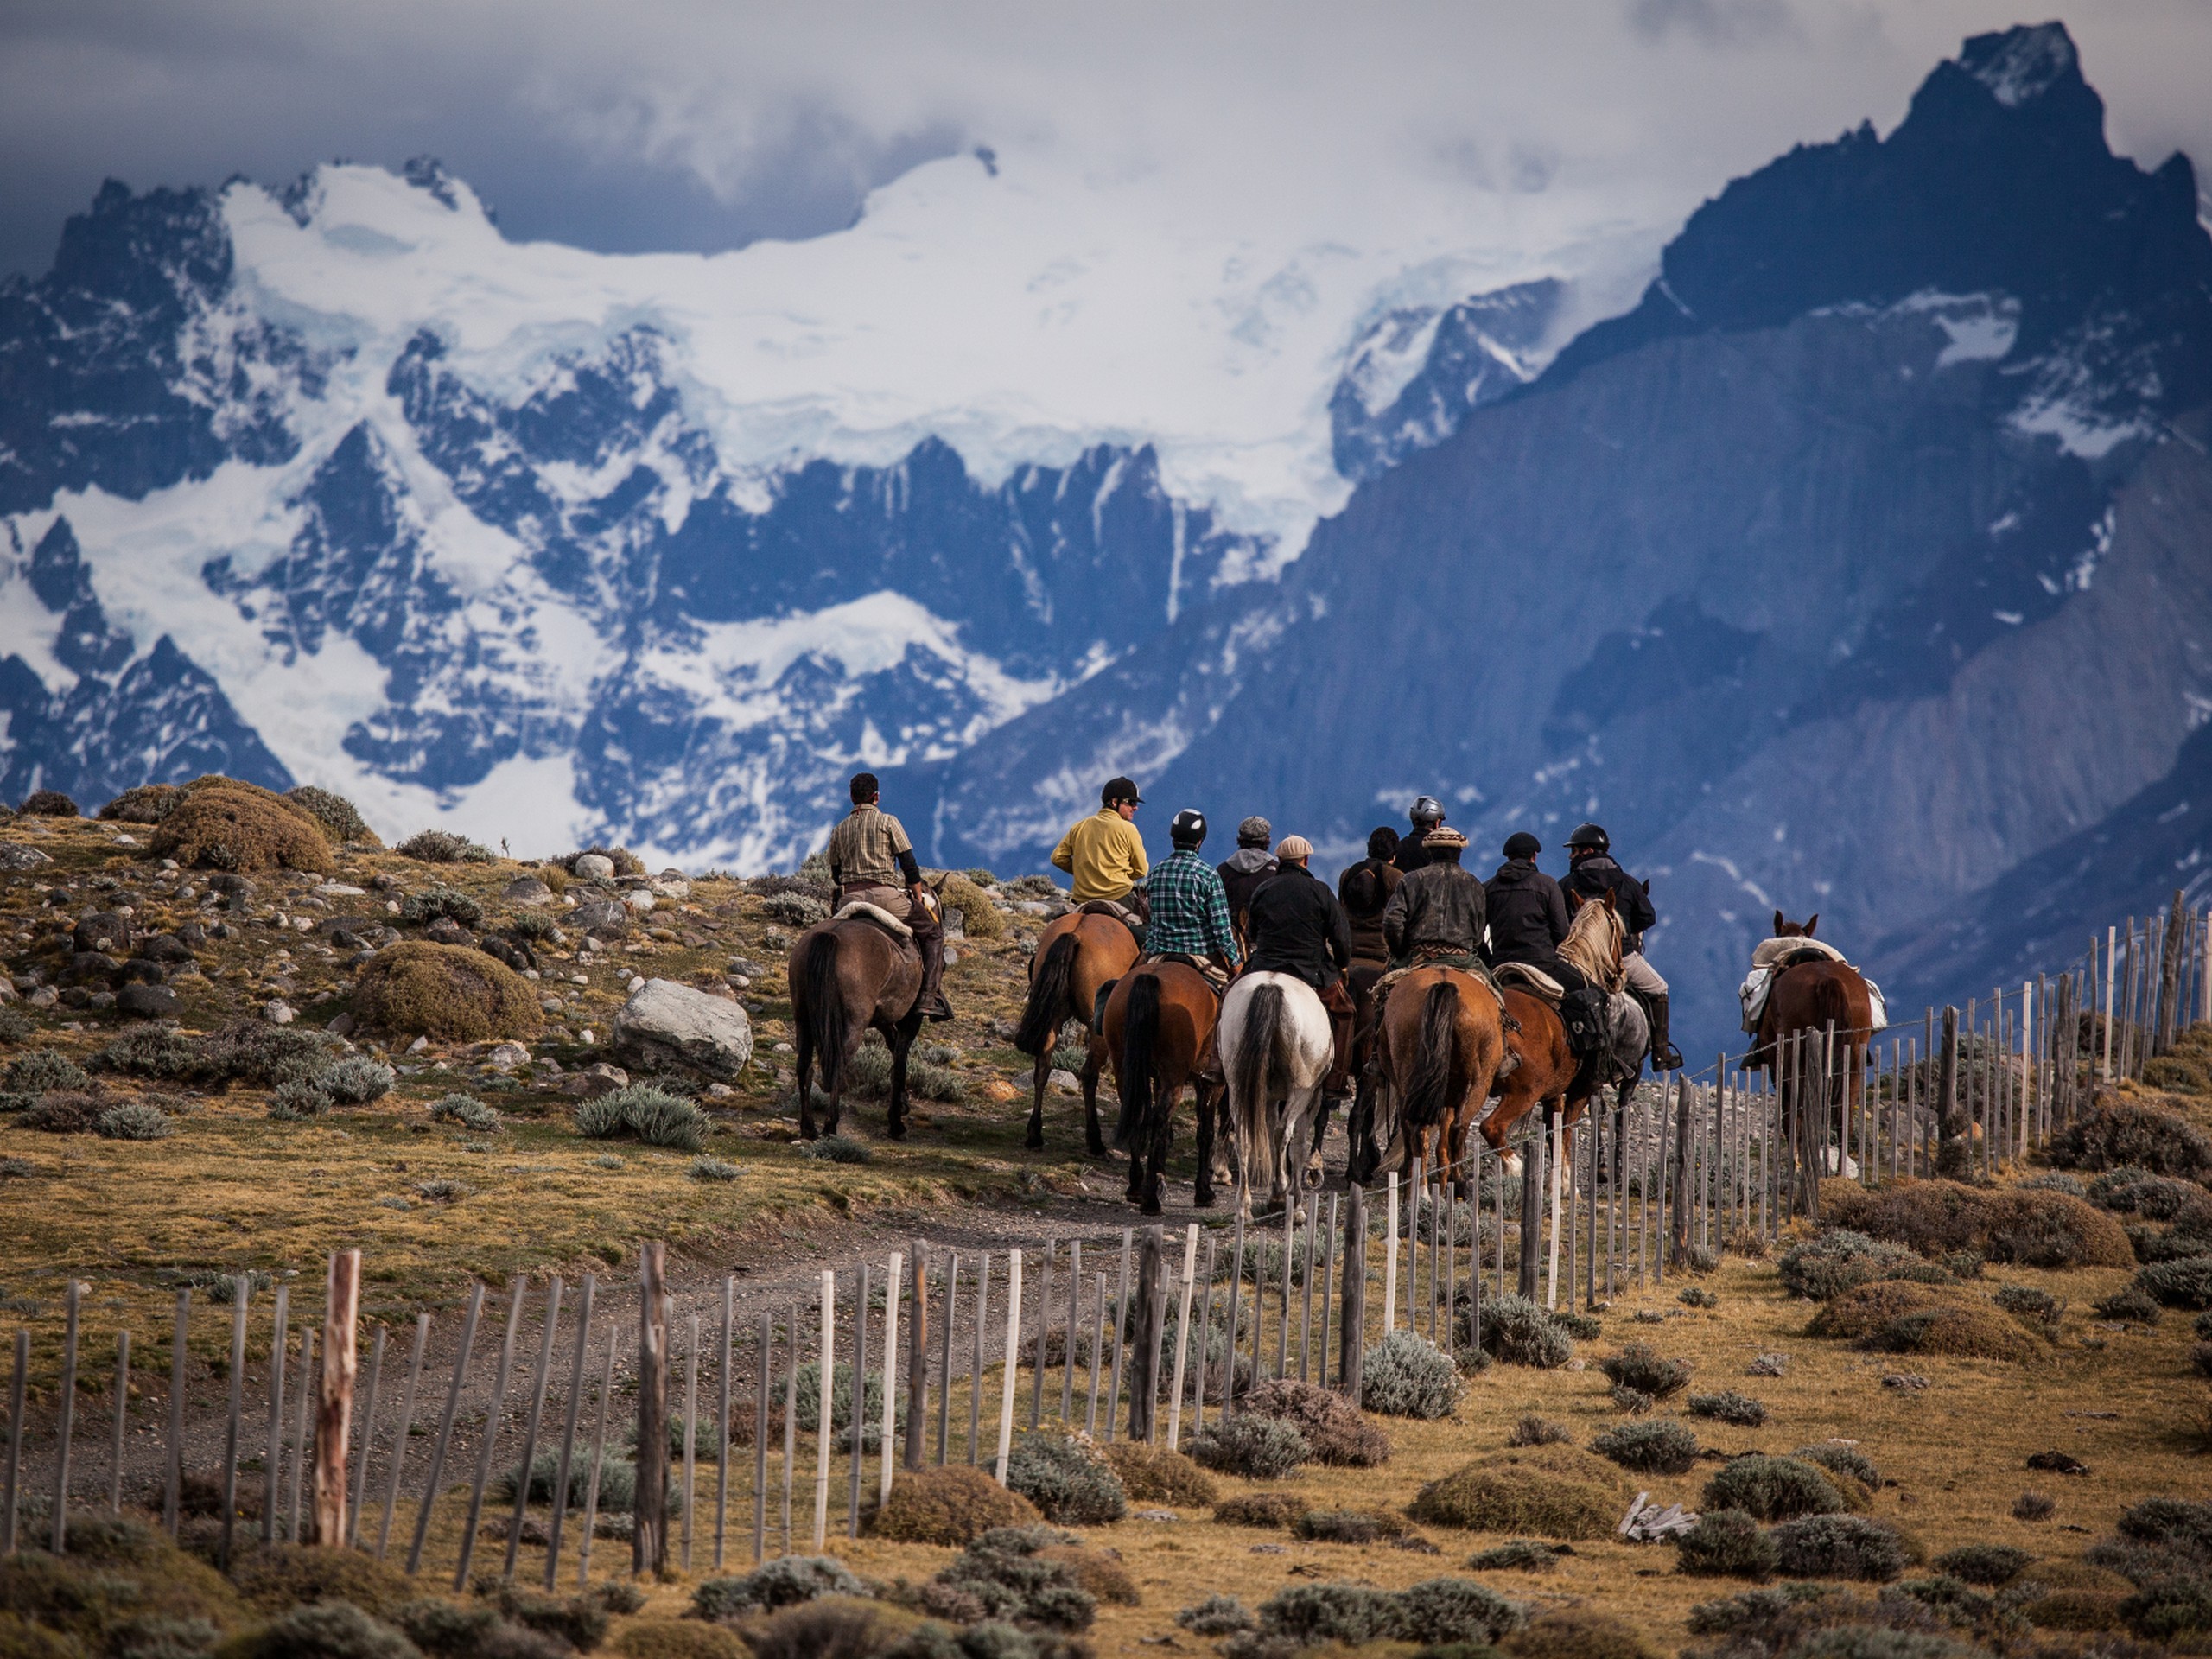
{"points": [[147, 804], [224, 824], [953, 1505], [2033, 1227], [447, 991], [1896, 1316], [1543, 1491], [341, 819]]}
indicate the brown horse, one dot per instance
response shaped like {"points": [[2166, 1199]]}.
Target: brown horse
{"points": [[1438, 1048], [1076, 956], [1806, 999], [847, 977], [1158, 1018], [1547, 1075]]}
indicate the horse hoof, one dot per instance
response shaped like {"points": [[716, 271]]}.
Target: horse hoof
{"points": [[1512, 1162]]}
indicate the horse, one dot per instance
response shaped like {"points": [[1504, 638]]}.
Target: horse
{"points": [[1548, 1074], [1595, 943], [1440, 1045], [1078, 956], [848, 974], [1158, 1018], [1276, 1047], [1805, 999]]}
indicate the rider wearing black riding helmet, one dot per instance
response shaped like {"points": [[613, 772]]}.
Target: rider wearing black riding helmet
{"points": [[1426, 814], [1592, 871], [1190, 911]]}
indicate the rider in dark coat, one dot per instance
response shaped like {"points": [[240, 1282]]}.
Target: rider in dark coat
{"points": [[1594, 872], [1298, 926], [1439, 910], [1364, 889], [1243, 870], [1527, 914], [1426, 813]]}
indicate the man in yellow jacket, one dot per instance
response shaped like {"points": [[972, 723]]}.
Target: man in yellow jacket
{"points": [[1105, 853]]}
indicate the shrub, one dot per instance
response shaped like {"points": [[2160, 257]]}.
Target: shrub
{"points": [[469, 1113], [1639, 1366], [1258, 1448], [832, 1627], [1334, 1429], [841, 1149], [1312, 1613], [1839, 1547], [339, 818], [357, 1080], [1729, 1407], [146, 803], [446, 992], [439, 1627], [438, 847], [2174, 1523], [1989, 1564], [841, 1403], [1773, 1489], [1152, 1474], [47, 804], [42, 1070], [1578, 1633], [1550, 1491], [1407, 1375], [1516, 1555], [1696, 1296], [1532, 1430], [2039, 1310], [783, 1582], [2122, 1133], [1265, 1509], [1899, 1316], [577, 1622], [298, 1099], [1066, 1479], [2129, 1302], [1830, 1263], [626, 862], [1034, 1574], [1440, 1611], [618, 1480], [135, 1121], [707, 1167], [979, 917], [670, 1640], [2186, 1282], [63, 1112], [233, 826], [796, 910], [1516, 1331], [642, 1112], [325, 1630], [1842, 1460], [1349, 1526], [1725, 1544], [433, 903], [1663, 1447], [1216, 1616]]}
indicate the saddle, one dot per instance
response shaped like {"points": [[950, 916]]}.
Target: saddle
{"points": [[1528, 977], [859, 910]]}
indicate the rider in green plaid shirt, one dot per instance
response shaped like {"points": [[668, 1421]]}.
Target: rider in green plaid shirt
{"points": [[1190, 909]]}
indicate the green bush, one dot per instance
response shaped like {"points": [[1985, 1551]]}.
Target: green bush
{"points": [[2130, 1302], [1532, 1430], [1725, 1544], [42, 1070], [467, 1111], [1989, 1564], [952, 1505], [2183, 1283], [1824, 1267], [1639, 1366], [840, 1404], [437, 847], [325, 1630], [780, 1582], [357, 1080], [1839, 1547], [1662, 1447], [1456, 1610], [1407, 1375], [1729, 1407], [339, 818], [1516, 1331], [1550, 1491], [643, 1112], [1517, 1555], [1064, 1480], [1313, 1613], [1258, 1448], [1216, 1616], [1842, 1460], [298, 1099], [135, 1121], [1349, 1526], [2123, 1134], [433, 903], [840, 1149], [707, 1167], [1773, 1489], [1334, 1428], [2175, 1522], [2039, 1310], [1029, 1575]]}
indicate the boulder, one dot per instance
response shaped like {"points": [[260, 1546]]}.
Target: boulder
{"points": [[594, 867], [526, 890], [103, 930], [88, 965], [600, 1079], [147, 1001], [640, 899], [14, 855], [603, 916], [165, 947], [665, 1023]]}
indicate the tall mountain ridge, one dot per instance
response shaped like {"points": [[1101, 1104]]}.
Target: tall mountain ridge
{"points": [[1859, 568]]}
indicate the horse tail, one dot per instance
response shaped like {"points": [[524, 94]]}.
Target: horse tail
{"points": [[1139, 1054], [1049, 988], [825, 1006], [1250, 1070], [1428, 1079]]}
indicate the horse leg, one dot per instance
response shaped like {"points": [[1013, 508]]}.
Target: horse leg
{"points": [[1034, 1140], [902, 1042], [1153, 1147], [1208, 1104], [805, 1079], [1094, 1061]]}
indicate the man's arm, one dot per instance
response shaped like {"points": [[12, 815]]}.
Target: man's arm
{"points": [[1555, 919], [1139, 864], [1063, 854], [1396, 915], [1339, 931], [910, 867], [1220, 938], [1642, 918]]}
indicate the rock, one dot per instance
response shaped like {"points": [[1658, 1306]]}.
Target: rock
{"points": [[594, 867], [526, 890], [124, 841], [44, 997], [515, 956], [1033, 907], [278, 1013], [101, 1000], [14, 855], [418, 1045], [506, 1056], [1064, 1083], [744, 965], [165, 947], [231, 884], [639, 899], [90, 965], [147, 1001], [603, 916], [192, 935], [446, 931], [104, 930], [341, 890], [341, 1027], [139, 970], [600, 1079], [1907, 1381], [669, 1023], [75, 997]]}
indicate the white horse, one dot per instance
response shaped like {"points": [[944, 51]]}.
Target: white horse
{"points": [[1276, 1047]]}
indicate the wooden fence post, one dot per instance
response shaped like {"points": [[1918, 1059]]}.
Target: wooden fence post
{"points": [[537, 1383], [888, 1449], [649, 1543], [122, 1420], [1678, 1177], [341, 1362], [445, 1426], [2169, 972], [15, 1389], [74, 1296], [359, 1499], [563, 1464], [172, 1471], [918, 1354], [1144, 1371], [1352, 1330], [399, 1438], [1012, 1355], [1183, 1336], [273, 1461], [1950, 1150], [486, 1451]]}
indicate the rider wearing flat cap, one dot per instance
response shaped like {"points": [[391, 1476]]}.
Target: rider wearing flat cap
{"points": [[1439, 910], [1527, 914]]}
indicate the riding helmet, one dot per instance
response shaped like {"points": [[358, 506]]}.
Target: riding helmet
{"points": [[1188, 829], [1426, 811], [1593, 836]]}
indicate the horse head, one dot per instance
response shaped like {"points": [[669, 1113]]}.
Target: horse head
{"points": [[1786, 929]]}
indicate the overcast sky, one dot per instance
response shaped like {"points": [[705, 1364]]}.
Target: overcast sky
{"points": [[679, 124]]}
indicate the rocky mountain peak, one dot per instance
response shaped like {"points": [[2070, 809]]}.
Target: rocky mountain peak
{"points": [[2025, 63]]}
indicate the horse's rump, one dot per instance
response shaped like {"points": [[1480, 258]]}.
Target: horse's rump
{"points": [[1428, 1091], [825, 1006], [1046, 1007], [1140, 1041]]}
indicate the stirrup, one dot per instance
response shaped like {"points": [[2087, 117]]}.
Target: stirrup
{"points": [[936, 1007]]}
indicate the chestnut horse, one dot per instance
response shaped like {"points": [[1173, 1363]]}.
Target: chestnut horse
{"points": [[1807, 997], [1549, 1074], [847, 977], [1076, 956], [1158, 1018], [1440, 1047]]}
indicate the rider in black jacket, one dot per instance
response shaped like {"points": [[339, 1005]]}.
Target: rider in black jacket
{"points": [[1298, 926], [1593, 873], [1527, 914]]}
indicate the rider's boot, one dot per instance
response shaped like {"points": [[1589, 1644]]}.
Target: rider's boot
{"points": [[1209, 1066], [929, 940], [1664, 1054]]}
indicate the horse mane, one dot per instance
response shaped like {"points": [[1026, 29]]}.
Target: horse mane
{"points": [[1593, 944]]}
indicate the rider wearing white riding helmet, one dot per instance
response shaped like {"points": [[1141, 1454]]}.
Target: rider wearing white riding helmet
{"points": [[1593, 873]]}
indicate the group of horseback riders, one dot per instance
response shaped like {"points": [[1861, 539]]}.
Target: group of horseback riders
{"points": [[1408, 903]]}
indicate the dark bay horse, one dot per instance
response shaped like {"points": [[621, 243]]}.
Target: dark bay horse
{"points": [[1076, 956], [1438, 1047], [1158, 1019], [1805, 999], [847, 977]]}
